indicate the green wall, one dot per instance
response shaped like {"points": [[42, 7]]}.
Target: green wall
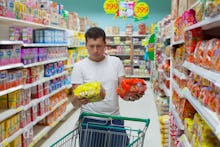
{"points": [[93, 9]]}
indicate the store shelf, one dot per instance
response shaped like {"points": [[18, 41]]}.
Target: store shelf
{"points": [[178, 42], [11, 138], [177, 118], [137, 76], [184, 140], [10, 90], [207, 74], [43, 45], [22, 23], [167, 91], [10, 66], [45, 79], [6, 42], [112, 44], [76, 46], [46, 62], [42, 130], [177, 89], [179, 74], [165, 76], [69, 66], [120, 55], [206, 24], [210, 117]]}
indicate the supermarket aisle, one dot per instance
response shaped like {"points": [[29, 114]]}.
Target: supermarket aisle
{"points": [[144, 108]]}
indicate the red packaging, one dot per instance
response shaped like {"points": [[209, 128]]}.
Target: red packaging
{"points": [[41, 108], [28, 116], [215, 61], [37, 91], [199, 52], [218, 101], [34, 112], [3, 79], [133, 85], [46, 87]]}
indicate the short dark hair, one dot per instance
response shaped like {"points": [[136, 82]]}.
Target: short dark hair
{"points": [[94, 33]]}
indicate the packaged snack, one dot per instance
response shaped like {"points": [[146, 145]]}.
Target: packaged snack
{"points": [[41, 108], [3, 79], [128, 86], [37, 91], [199, 52], [215, 61], [218, 101], [211, 8], [4, 102], [189, 18], [91, 90]]}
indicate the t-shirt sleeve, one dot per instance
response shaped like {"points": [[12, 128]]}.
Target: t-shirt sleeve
{"points": [[77, 75], [121, 71]]}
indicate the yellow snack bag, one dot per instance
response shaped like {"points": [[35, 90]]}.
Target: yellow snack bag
{"points": [[91, 90]]}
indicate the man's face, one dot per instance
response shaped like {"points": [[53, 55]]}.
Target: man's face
{"points": [[96, 48]]}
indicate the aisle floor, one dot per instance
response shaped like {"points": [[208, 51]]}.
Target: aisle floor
{"points": [[144, 108]]}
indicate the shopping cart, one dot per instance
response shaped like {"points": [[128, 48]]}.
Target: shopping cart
{"points": [[104, 134]]}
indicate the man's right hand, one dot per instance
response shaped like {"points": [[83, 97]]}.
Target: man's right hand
{"points": [[78, 102]]}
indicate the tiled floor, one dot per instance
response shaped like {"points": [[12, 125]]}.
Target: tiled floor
{"points": [[144, 108]]}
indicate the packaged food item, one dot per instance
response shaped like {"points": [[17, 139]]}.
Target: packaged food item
{"points": [[37, 91], [215, 60], [199, 52], [14, 99], [142, 29], [128, 86], [211, 8], [3, 79], [189, 17], [91, 90]]}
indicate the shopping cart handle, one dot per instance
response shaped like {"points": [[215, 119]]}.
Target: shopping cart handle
{"points": [[84, 114]]}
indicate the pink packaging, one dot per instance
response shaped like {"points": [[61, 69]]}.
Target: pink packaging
{"points": [[17, 51], [14, 33]]}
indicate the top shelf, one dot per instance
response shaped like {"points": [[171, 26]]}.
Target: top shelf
{"points": [[12, 21], [206, 24]]}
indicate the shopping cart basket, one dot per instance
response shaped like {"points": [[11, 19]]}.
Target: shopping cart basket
{"points": [[104, 135]]}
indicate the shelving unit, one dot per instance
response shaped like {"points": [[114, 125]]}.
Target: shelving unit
{"points": [[131, 55], [177, 118], [5, 114], [207, 74]]}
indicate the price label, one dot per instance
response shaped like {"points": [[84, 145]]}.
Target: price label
{"points": [[110, 6], [141, 9]]}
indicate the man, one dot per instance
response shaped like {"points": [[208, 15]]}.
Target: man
{"points": [[107, 70]]}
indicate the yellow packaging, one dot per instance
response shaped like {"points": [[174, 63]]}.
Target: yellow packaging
{"points": [[4, 102], [91, 90], [8, 127], [14, 99], [17, 142]]}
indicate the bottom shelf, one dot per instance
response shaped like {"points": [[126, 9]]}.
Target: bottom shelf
{"points": [[42, 131]]}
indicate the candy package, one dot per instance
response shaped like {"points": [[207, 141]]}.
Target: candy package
{"points": [[133, 85], [91, 90]]}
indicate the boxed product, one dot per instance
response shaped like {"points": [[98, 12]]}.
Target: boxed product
{"points": [[37, 91], [23, 119], [15, 33], [129, 30], [41, 109], [92, 91], [14, 99], [142, 29], [211, 8], [2, 131]]}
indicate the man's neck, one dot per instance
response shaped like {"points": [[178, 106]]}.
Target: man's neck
{"points": [[97, 60]]}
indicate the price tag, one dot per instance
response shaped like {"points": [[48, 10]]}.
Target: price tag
{"points": [[110, 6], [5, 143], [141, 9]]}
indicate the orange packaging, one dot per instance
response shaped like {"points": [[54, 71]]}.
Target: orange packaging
{"points": [[215, 61], [199, 52], [3, 79], [218, 101]]}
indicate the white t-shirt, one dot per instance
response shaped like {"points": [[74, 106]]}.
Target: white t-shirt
{"points": [[107, 73]]}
